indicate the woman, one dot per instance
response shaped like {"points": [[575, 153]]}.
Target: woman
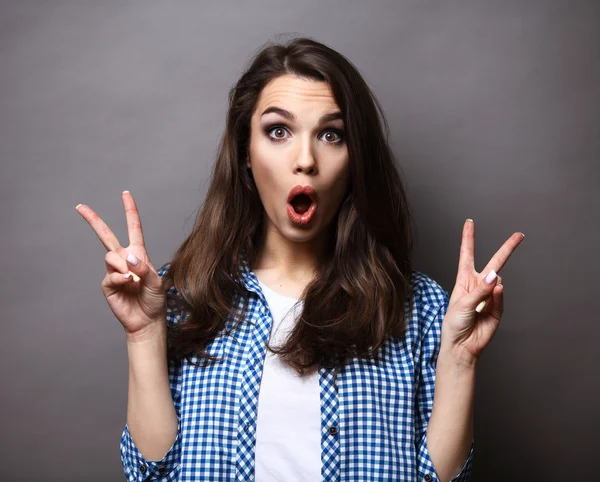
{"points": [[299, 343]]}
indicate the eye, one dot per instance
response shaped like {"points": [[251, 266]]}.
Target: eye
{"points": [[277, 129], [280, 129], [336, 132]]}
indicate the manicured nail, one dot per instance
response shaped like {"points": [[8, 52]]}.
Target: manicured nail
{"points": [[77, 207], [489, 279], [132, 259], [125, 192], [480, 307], [127, 275], [469, 219]]}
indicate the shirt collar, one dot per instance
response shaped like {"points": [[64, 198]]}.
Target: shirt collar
{"points": [[249, 278]]}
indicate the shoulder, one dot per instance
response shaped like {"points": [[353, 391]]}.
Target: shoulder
{"points": [[430, 302]]}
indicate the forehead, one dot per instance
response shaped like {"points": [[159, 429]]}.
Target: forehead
{"points": [[293, 92]]}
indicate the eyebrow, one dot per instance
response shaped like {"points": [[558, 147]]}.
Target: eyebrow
{"points": [[288, 115]]}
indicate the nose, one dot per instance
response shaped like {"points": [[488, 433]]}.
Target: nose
{"points": [[305, 161]]}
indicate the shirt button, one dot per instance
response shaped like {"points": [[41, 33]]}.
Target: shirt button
{"points": [[428, 478], [333, 430], [142, 468], [162, 470]]}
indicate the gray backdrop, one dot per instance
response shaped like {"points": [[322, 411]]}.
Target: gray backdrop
{"points": [[494, 109]]}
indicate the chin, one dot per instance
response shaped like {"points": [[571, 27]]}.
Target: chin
{"points": [[300, 235]]}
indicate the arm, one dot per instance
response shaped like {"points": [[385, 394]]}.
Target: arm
{"points": [[151, 439], [151, 442], [442, 429], [450, 430]]}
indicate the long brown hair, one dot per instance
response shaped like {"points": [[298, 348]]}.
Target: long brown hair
{"points": [[357, 298]]}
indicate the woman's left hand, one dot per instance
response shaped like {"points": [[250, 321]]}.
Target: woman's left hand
{"points": [[466, 332]]}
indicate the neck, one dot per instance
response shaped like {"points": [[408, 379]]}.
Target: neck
{"points": [[285, 259]]}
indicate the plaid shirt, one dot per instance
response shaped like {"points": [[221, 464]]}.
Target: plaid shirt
{"points": [[374, 415]]}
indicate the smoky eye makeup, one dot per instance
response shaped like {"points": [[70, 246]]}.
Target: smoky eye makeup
{"points": [[269, 128]]}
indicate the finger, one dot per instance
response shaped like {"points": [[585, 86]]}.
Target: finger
{"points": [[481, 306], [503, 254], [497, 306], [134, 224], [466, 262], [104, 233], [115, 263], [115, 280], [473, 301], [141, 269]]}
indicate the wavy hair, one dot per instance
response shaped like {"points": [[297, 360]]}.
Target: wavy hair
{"points": [[356, 298]]}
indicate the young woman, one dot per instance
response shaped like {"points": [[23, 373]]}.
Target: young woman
{"points": [[299, 343]]}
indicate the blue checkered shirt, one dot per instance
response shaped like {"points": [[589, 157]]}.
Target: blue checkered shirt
{"points": [[374, 415]]}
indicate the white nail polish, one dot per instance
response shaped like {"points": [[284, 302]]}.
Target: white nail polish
{"points": [[132, 259], [480, 307], [489, 279]]}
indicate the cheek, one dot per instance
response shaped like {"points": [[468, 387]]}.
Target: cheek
{"points": [[342, 179], [266, 176]]}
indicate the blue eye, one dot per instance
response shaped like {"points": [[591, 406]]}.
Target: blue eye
{"points": [[277, 138]]}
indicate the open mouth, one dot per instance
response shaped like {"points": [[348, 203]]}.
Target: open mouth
{"points": [[302, 203]]}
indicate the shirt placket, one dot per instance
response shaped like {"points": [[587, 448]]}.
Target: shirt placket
{"points": [[248, 403], [330, 429]]}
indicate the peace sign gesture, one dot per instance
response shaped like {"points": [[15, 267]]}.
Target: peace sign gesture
{"points": [[132, 287], [475, 306]]}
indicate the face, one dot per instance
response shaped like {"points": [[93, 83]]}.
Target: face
{"points": [[301, 148]]}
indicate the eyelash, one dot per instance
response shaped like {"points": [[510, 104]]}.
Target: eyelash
{"points": [[339, 133]]}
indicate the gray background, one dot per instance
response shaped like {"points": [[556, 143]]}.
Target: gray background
{"points": [[494, 108]]}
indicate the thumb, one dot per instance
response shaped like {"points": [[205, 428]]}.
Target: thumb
{"points": [[476, 298], [141, 269]]}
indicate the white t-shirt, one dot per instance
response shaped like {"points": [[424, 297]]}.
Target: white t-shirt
{"points": [[288, 427]]}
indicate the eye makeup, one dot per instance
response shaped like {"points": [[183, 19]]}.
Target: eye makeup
{"points": [[270, 127]]}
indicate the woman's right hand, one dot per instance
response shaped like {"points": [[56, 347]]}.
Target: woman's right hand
{"points": [[140, 306]]}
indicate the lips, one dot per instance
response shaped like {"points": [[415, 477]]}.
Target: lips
{"points": [[297, 190], [304, 217]]}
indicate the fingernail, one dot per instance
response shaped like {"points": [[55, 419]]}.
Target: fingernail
{"points": [[480, 307], [125, 192], [127, 275], [132, 259], [489, 279], [469, 219], [77, 207]]}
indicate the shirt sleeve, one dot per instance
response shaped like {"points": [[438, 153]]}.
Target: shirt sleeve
{"points": [[135, 466], [430, 347]]}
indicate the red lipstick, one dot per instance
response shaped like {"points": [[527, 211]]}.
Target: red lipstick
{"points": [[304, 217]]}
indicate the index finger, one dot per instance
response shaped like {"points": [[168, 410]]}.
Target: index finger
{"points": [[134, 225], [104, 233], [501, 257]]}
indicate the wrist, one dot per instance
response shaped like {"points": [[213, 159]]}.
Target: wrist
{"points": [[456, 357], [156, 331]]}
